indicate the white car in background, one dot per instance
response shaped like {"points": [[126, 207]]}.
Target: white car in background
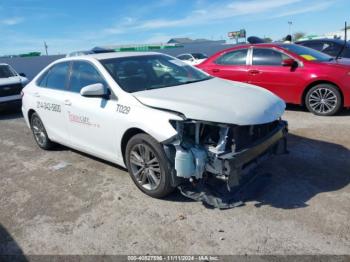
{"points": [[193, 58], [80, 53], [164, 120], [11, 84]]}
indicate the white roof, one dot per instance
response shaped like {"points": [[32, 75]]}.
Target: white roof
{"points": [[103, 56]]}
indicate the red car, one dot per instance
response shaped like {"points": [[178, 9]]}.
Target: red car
{"points": [[297, 74]]}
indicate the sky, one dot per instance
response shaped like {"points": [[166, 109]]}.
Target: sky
{"points": [[81, 25]]}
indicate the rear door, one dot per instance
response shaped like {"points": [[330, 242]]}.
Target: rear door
{"points": [[50, 98], [267, 71], [231, 65]]}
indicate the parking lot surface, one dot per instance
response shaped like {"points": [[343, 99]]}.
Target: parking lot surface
{"points": [[65, 202]]}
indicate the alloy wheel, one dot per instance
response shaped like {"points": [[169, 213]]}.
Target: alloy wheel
{"points": [[145, 166], [323, 100], [39, 131]]}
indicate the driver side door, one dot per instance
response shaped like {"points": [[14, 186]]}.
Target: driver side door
{"points": [[91, 121], [267, 71]]}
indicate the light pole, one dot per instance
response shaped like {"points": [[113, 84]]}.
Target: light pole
{"points": [[45, 45], [290, 27]]}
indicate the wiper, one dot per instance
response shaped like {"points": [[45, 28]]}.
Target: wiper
{"points": [[194, 81]]}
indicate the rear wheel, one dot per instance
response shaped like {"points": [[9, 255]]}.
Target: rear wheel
{"points": [[323, 100], [148, 166], [39, 132]]}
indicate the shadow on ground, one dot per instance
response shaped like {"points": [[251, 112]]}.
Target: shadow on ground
{"points": [[9, 248], [299, 108], [10, 113], [311, 167]]}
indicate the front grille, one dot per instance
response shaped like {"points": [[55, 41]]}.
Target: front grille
{"points": [[246, 136], [10, 90]]}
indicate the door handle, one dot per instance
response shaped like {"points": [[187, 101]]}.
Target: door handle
{"points": [[36, 94], [67, 102], [254, 72], [215, 70]]}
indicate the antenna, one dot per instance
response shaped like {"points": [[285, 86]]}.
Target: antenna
{"points": [[45, 45], [345, 40]]}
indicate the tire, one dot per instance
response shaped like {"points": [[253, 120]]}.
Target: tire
{"points": [[323, 100], [152, 177], [39, 132]]}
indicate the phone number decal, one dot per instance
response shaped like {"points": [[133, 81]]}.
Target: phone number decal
{"points": [[49, 106]]}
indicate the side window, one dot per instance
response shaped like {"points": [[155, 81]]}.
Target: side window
{"points": [[42, 82], [237, 57], [268, 57], [55, 77], [83, 74], [346, 52], [314, 45], [331, 48]]}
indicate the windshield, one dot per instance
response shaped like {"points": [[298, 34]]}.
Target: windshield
{"points": [[139, 73], [6, 71], [307, 53], [199, 56]]}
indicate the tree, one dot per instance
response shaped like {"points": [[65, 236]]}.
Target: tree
{"points": [[298, 35]]}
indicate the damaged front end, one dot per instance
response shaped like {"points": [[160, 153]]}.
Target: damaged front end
{"points": [[205, 151]]}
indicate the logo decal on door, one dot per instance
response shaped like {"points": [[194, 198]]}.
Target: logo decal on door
{"points": [[80, 119]]}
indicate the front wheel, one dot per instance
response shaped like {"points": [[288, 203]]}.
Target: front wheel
{"points": [[148, 166], [323, 100]]}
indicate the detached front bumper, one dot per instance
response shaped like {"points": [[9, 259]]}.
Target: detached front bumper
{"points": [[274, 143], [225, 191]]}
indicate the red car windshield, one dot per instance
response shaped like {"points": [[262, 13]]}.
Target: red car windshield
{"points": [[307, 53]]}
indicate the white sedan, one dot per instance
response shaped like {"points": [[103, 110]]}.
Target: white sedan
{"points": [[193, 58], [164, 120]]}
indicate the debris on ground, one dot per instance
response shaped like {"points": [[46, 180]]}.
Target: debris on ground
{"points": [[60, 165], [181, 217]]}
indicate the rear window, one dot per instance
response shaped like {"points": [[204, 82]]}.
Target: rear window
{"points": [[236, 57]]}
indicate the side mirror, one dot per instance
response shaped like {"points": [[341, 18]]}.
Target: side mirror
{"points": [[94, 90], [289, 62], [22, 74]]}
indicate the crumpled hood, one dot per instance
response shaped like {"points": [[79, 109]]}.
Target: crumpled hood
{"points": [[217, 100]]}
